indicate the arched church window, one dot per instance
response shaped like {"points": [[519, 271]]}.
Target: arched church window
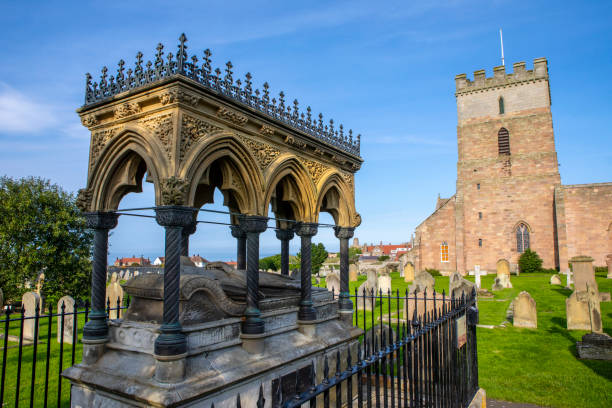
{"points": [[522, 238], [503, 141], [501, 105], [444, 251]]}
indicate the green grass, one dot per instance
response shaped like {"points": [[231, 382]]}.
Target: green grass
{"points": [[537, 366]]}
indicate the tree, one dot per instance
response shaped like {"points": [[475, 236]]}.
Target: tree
{"points": [[270, 262], [353, 255], [383, 258], [41, 229], [318, 255], [530, 261]]}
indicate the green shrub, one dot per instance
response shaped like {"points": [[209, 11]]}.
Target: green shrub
{"points": [[433, 272], [383, 258], [530, 261], [602, 270], [552, 271]]}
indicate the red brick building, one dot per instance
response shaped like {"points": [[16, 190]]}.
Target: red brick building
{"points": [[509, 194]]}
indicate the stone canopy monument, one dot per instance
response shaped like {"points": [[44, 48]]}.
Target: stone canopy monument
{"points": [[195, 336]]}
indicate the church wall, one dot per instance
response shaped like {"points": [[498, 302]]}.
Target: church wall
{"points": [[587, 212], [438, 228]]}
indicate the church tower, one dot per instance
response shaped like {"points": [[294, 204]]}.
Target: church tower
{"points": [[507, 167]]}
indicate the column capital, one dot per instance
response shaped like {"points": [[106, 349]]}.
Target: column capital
{"points": [[344, 232], [101, 219], [174, 215], [190, 228], [306, 229], [253, 223], [285, 234], [237, 231]]}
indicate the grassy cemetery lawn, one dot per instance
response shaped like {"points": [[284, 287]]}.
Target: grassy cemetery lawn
{"points": [[538, 366]]}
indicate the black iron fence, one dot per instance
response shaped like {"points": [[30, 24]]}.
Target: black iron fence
{"points": [[417, 351], [37, 346]]}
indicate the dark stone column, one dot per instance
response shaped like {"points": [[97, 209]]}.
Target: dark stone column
{"points": [[253, 226], [285, 235], [174, 218], [187, 231], [344, 300], [306, 231], [241, 236], [101, 222]]}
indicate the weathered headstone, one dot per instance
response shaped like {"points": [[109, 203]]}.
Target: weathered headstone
{"points": [[584, 274], [503, 267], [114, 296], [577, 312], [458, 286], [555, 280], [525, 312], [409, 272], [477, 276], [332, 282], [68, 319], [353, 273], [424, 304], [366, 289], [568, 279], [30, 302], [372, 274], [502, 280], [422, 281], [375, 334], [384, 284]]}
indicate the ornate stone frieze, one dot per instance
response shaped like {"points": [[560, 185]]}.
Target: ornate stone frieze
{"points": [[89, 121], [98, 141], [162, 127], [126, 109], [348, 179], [232, 116], [266, 130], [356, 166], [315, 168], [318, 151], [338, 159], [290, 140], [176, 95], [174, 191], [192, 130], [83, 200], [264, 153]]}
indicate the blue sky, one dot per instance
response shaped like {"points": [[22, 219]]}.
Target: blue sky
{"points": [[384, 69]]}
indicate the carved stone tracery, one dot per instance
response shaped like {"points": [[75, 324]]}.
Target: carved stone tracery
{"points": [[264, 153], [174, 191], [315, 168], [98, 141], [126, 109], [161, 126], [192, 130], [232, 116]]}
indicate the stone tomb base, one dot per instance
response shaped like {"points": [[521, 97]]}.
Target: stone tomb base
{"points": [[218, 365]]}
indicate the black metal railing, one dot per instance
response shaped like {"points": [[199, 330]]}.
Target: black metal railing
{"points": [[424, 357], [32, 361], [166, 66]]}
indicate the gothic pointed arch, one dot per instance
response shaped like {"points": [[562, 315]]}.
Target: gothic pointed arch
{"points": [[522, 235], [118, 165], [223, 161], [335, 196], [288, 182]]}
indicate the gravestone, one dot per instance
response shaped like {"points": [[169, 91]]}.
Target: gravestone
{"points": [[372, 274], [30, 301], [584, 274], [577, 312], [409, 272], [68, 319], [502, 280], [366, 288], [555, 280], [114, 291], [353, 273], [376, 332], [525, 313], [458, 286], [332, 282], [593, 300], [384, 284], [477, 276], [422, 281]]}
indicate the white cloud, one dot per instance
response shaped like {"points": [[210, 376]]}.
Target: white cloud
{"points": [[20, 113]]}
